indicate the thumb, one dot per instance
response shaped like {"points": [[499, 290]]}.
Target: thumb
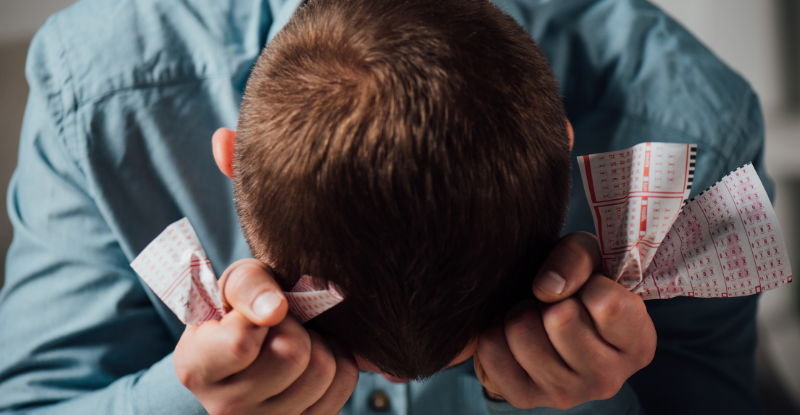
{"points": [[249, 287], [568, 266]]}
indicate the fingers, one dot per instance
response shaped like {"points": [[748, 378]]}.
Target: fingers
{"points": [[498, 370], [258, 359], [237, 357], [567, 267], [580, 348], [310, 385], [293, 370], [573, 335], [555, 357], [528, 341], [217, 349], [620, 318], [284, 357], [343, 384], [484, 379], [249, 286]]}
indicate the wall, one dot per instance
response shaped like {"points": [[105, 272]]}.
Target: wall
{"points": [[19, 19], [13, 93]]}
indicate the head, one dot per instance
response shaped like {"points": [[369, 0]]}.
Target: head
{"points": [[414, 153]]}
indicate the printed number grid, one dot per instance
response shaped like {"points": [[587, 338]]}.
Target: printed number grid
{"points": [[176, 268], [635, 195], [725, 242]]}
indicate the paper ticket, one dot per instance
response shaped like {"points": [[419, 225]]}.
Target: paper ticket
{"points": [[725, 242], [176, 268]]}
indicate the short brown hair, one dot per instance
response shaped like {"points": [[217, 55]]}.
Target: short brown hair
{"points": [[415, 154]]}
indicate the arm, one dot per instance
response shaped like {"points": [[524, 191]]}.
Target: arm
{"points": [[575, 349], [79, 334], [258, 360], [629, 74], [706, 347]]}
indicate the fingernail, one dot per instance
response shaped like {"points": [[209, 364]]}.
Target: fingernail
{"points": [[551, 282], [266, 303]]}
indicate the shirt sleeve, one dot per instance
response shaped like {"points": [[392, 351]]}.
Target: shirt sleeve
{"points": [[78, 333], [631, 74], [705, 359]]}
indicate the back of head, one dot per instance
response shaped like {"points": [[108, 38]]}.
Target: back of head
{"points": [[415, 154]]}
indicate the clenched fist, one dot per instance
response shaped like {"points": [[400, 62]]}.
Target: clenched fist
{"points": [[258, 359], [580, 342]]}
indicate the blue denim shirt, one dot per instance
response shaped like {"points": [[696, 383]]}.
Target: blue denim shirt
{"points": [[125, 95]]}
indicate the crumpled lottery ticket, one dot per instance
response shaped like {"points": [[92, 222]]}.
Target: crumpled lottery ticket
{"points": [[176, 268], [725, 242]]}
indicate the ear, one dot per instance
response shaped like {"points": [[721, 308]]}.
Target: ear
{"points": [[570, 133], [222, 144]]}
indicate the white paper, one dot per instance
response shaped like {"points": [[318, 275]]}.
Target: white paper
{"points": [[725, 242], [176, 268]]}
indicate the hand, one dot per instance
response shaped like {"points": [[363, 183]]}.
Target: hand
{"points": [[258, 360], [582, 346]]}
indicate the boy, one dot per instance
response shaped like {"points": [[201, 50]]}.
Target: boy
{"points": [[381, 150], [108, 159]]}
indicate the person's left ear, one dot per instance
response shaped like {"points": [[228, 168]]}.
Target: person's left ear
{"points": [[222, 144], [570, 133]]}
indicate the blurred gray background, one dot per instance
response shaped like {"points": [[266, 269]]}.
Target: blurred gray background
{"points": [[758, 38]]}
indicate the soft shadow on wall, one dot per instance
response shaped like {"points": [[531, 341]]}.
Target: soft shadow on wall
{"points": [[13, 95]]}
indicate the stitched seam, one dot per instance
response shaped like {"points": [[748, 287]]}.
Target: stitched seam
{"points": [[68, 84], [137, 87]]}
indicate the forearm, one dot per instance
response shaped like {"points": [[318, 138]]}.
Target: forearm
{"points": [[154, 391]]}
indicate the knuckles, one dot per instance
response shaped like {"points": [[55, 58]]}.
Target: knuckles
{"points": [[185, 365], [243, 345], [562, 314], [607, 384], [188, 378], [523, 323], [564, 399], [491, 339], [647, 346], [294, 348], [321, 360], [611, 307], [347, 372]]}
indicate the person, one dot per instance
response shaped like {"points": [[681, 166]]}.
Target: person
{"points": [[113, 150], [363, 159]]}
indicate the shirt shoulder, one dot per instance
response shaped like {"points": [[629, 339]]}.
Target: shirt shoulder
{"points": [[100, 47], [627, 59]]}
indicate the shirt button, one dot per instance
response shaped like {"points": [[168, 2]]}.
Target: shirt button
{"points": [[378, 401]]}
